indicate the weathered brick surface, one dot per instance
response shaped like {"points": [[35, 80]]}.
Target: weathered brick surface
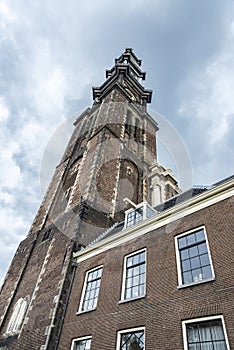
{"points": [[111, 168], [15, 273], [40, 280], [114, 157], [165, 306]]}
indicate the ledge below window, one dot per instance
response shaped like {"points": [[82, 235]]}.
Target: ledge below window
{"points": [[84, 311], [195, 283], [133, 299]]}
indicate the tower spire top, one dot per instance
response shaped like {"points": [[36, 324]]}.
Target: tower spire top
{"points": [[125, 73], [128, 58]]}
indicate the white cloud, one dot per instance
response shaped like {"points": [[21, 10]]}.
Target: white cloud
{"points": [[6, 12], [6, 198], [46, 80], [10, 171], [4, 111], [11, 223], [52, 53], [31, 133], [10, 174], [12, 228], [208, 108], [7, 18]]}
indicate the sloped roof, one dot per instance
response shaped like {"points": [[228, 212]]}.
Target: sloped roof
{"points": [[182, 197]]}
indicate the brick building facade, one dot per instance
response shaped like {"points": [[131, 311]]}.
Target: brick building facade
{"points": [[167, 302], [102, 269]]}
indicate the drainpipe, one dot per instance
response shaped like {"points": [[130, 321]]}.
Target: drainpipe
{"points": [[74, 266]]}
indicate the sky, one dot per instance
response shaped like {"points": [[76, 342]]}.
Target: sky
{"points": [[52, 53]]}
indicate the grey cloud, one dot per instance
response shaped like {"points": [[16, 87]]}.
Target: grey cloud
{"points": [[77, 42]]}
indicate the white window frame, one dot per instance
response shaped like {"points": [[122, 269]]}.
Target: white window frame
{"points": [[130, 330], [16, 321], [200, 320], [80, 339], [84, 289], [178, 262], [144, 206], [123, 300]]}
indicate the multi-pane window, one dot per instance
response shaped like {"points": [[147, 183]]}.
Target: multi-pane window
{"points": [[194, 263], [81, 344], [91, 289], [131, 340], [135, 216], [135, 276], [141, 212], [205, 334]]}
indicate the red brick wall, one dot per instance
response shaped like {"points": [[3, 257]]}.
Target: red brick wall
{"points": [[97, 193], [164, 307], [51, 255]]}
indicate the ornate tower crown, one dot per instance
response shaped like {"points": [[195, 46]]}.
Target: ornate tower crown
{"points": [[126, 75]]}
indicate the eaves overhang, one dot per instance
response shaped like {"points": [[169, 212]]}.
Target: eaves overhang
{"points": [[124, 70], [128, 54], [199, 202], [134, 68]]}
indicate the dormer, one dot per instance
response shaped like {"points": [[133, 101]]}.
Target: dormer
{"points": [[137, 213]]}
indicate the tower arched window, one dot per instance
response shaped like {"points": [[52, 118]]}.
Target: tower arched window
{"points": [[128, 124], [17, 317], [137, 130], [143, 136]]}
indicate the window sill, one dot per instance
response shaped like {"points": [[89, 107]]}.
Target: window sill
{"points": [[195, 283], [132, 299], [11, 334], [85, 311]]}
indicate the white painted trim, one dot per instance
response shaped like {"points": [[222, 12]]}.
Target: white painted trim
{"points": [[168, 216], [84, 289], [195, 283], [143, 205], [16, 322], [178, 263], [124, 275], [78, 339], [130, 330], [202, 319]]}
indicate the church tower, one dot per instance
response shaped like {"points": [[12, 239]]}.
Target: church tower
{"points": [[111, 155]]}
